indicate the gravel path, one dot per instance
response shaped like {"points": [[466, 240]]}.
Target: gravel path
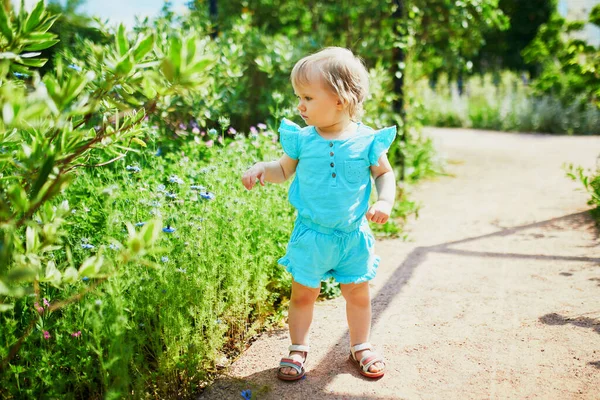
{"points": [[496, 296]]}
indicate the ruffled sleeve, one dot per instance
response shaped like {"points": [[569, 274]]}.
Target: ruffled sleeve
{"points": [[289, 132], [381, 143]]}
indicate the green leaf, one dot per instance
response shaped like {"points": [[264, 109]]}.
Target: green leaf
{"points": [[34, 18], [30, 236], [53, 275], [190, 49], [5, 26], [121, 39], [91, 266], [34, 62], [138, 141], [175, 53], [168, 69], [71, 275], [125, 66], [41, 45], [203, 65], [143, 47], [43, 176], [150, 232], [22, 274]]}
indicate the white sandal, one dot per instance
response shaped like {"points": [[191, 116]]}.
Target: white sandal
{"points": [[365, 363], [291, 363]]}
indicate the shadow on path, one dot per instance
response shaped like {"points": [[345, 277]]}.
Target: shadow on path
{"points": [[335, 361]]}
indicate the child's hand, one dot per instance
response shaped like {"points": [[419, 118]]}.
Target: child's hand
{"points": [[257, 171], [379, 212]]}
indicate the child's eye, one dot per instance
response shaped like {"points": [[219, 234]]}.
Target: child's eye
{"points": [[308, 98]]}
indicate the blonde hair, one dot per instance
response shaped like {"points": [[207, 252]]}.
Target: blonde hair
{"points": [[341, 71]]}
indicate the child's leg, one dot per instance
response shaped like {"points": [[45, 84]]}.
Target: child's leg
{"points": [[358, 313], [300, 316]]}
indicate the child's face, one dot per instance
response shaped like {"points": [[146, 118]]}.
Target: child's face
{"points": [[317, 105]]}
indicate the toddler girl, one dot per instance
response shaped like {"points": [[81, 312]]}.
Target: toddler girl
{"points": [[331, 157]]}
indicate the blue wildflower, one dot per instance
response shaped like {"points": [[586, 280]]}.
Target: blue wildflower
{"points": [[182, 270], [20, 75], [140, 224], [175, 179], [87, 246], [169, 229], [197, 187], [134, 169], [207, 195], [171, 195], [75, 67], [158, 152], [155, 203], [113, 246], [85, 279], [164, 259], [247, 394], [212, 132], [161, 188]]}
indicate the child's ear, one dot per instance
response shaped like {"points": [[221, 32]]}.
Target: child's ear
{"points": [[341, 104]]}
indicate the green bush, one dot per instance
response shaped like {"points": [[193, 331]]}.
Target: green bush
{"points": [[503, 103]]}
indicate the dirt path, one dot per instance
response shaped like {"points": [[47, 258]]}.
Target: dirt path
{"points": [[497, 296]]}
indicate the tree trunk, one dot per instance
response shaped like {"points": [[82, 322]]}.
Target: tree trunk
{"points": [[398, 58], [212, 10]]}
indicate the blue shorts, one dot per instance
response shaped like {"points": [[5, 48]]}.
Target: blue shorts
{"points": [[315, 253]]}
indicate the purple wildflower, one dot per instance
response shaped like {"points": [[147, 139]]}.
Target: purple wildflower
{"points": [[38, 307], [261, 126], [46, 302], [76, 334], [47, 335]]}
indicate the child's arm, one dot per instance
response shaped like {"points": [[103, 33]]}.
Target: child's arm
{"points": [[272, 171], [385, 182]]}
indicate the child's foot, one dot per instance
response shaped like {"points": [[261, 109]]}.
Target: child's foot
{"points": [[369, 363], [296, 356], [378, 366], [291, 368]]}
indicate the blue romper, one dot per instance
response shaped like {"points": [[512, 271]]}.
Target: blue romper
{"points": [[331, 191]]}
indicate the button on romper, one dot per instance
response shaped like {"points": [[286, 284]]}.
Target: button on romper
{"points": [[330, 192]]}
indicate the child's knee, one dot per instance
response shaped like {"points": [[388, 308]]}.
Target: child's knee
{"points": [[357, 294], [303, 295]]}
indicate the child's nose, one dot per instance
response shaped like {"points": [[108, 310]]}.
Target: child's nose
{"points": [[300, 106]]}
